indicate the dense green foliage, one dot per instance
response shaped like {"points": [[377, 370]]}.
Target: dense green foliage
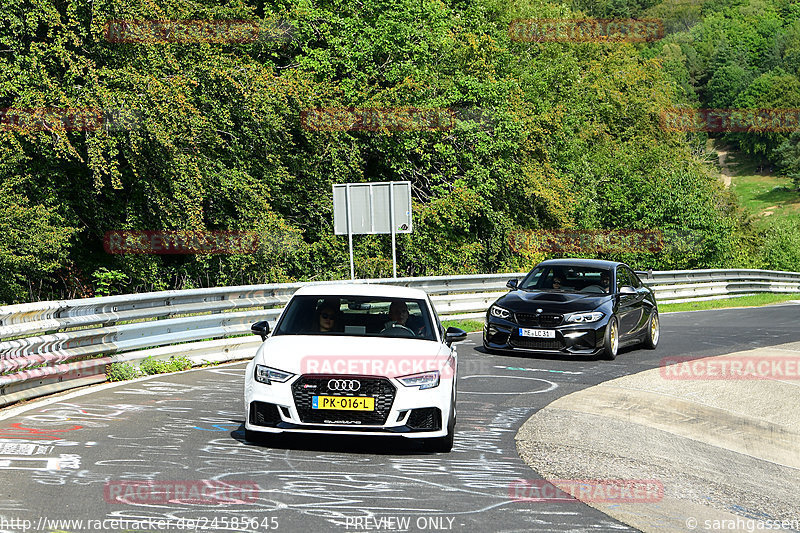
{"points": [[573, 138], [741, 54], [744, 55]]}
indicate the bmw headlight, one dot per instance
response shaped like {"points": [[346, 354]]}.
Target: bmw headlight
{"points": [[267, 375], [425, 380], [582, 318], [499, 312]]}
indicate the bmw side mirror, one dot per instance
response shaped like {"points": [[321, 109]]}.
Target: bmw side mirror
{"points": [[512, 284], [627, 290], [260, 328], [454, 335]]}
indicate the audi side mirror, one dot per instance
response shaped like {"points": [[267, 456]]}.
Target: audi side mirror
{"points": [[261, 329], [627, 290], [454, 335], [512, 284]]}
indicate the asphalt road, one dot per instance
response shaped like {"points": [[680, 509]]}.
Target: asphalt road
{"points": [[70, 458]]}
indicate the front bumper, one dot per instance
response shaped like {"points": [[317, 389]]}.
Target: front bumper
{"points": [[572, 339], [406, 412]]}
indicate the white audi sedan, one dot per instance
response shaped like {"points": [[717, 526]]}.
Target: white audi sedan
{"points": [[355, 359]]}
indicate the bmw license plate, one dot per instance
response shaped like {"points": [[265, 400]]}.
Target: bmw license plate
{"points": [[538, 333], [343, 403]]}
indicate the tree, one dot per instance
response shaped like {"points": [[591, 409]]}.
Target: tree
{"points": [[726, 85], [788, 157], [34, 243]]}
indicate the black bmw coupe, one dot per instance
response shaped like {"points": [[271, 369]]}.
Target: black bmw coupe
{"points": [[573, 306]]}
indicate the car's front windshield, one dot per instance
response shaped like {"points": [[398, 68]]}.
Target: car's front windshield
{"points": [[566, 278], [360, 316]]}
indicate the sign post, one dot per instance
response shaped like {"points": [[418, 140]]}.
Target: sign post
{"points": [[370, 209], [349, 231]]}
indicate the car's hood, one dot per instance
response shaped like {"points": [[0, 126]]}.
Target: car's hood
{"points": [[323, 354], [551, 301]]}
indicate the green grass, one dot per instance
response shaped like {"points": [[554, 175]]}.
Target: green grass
{"points": [[745, 301], [467, 325], [765, 196]]}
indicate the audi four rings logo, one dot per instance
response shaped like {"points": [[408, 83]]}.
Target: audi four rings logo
{"points": [[349, 385]]}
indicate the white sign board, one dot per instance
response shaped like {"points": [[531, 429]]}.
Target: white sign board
{"points": [[371, 206]]}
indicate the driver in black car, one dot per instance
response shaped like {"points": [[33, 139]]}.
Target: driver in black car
{"points": [[605, 282], [558, 281]]}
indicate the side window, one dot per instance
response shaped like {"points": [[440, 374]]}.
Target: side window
{"points": [[533, 280], [622, 278], [626, 277], [635, 281]]}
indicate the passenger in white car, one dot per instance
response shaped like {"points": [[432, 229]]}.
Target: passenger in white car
{"points": [[327, 317]]}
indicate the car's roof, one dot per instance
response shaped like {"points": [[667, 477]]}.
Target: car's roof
{"points": [[592, 263], [361, 289]]}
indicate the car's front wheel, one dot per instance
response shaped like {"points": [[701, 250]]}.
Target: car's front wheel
{"points": [[653, 332], [611, 341]]}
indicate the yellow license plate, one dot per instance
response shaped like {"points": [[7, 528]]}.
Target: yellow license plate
{"points": [[343, 403]]}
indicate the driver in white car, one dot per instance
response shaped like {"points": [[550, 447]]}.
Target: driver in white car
{"points": [[398, 313], [398, 319]]}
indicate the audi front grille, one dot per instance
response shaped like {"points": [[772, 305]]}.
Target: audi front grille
{"points": [[314, 385]]}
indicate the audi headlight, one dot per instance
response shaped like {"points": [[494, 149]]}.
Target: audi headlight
{"points": [[585, 317], [267, 375], [499, 312], [426, 380]]}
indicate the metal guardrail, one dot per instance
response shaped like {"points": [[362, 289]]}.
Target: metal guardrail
{"points": [[47, 347]]}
